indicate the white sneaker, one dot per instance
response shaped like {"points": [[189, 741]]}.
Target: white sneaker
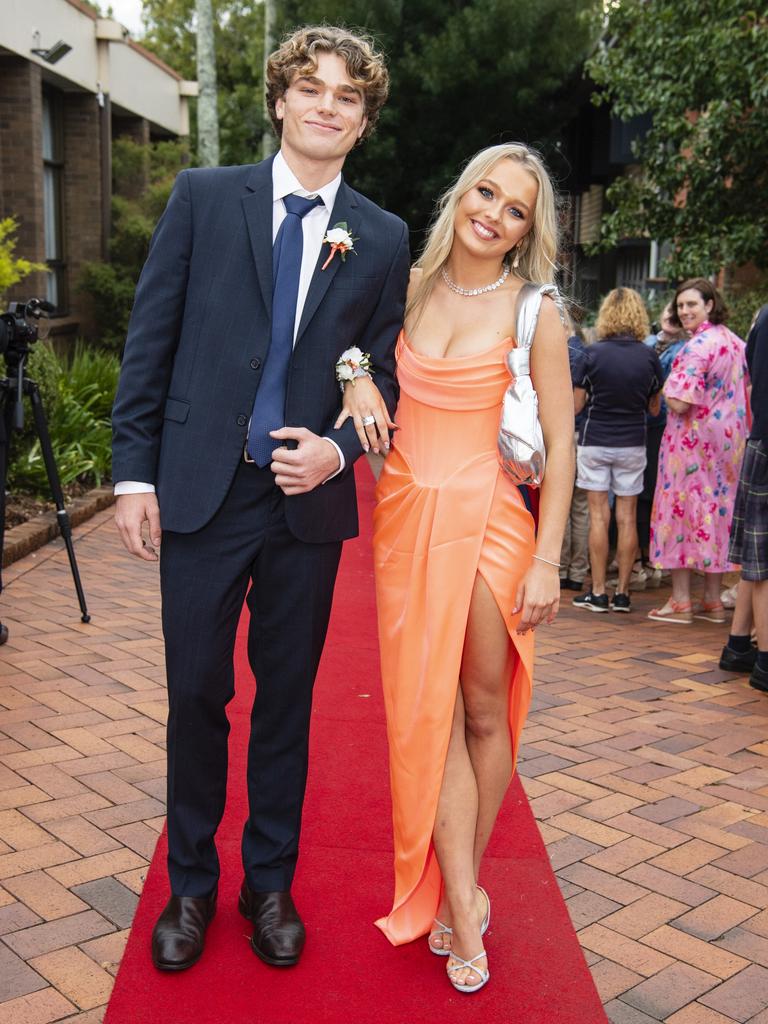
{"points": [[637, 581], [728, 597]]}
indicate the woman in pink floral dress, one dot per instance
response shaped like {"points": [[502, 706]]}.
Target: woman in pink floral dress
{"points": [[701, 454]]}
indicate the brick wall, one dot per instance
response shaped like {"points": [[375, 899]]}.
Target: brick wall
{"points": [[21, 163], [82, 197]]}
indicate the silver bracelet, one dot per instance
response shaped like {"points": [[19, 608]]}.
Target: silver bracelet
{"points": [[557, 565]]}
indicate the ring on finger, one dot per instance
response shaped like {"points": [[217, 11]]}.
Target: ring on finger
{"points": [[368, 420]]}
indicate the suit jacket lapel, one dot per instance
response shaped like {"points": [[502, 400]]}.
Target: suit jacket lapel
{"points": [[257, 207], [344, 209]]}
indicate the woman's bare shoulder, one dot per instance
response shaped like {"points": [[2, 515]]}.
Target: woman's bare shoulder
{"points": [[414, 280]]}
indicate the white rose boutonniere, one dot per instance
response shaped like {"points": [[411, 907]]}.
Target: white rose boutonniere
{"points": [[340, 241]]}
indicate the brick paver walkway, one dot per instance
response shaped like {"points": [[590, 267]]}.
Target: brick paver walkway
{"points": [[646, 767]]}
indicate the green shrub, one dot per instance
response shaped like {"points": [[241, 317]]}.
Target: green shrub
{"points": [[12, 268], [112, 294], [134, 216], [742, 307], [93, 373], [78, 422]]}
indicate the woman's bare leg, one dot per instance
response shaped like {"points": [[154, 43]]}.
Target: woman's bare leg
{"points": [[713, 582], [681, 585], [599, 521], [626, 547], [486, 670], [743, 620], [477, 772]]}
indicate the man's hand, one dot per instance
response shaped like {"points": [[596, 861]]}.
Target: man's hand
{"points": [[131, 512], [302, 469]]}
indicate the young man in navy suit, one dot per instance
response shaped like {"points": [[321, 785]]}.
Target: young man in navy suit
{"points": [[224, 440]]}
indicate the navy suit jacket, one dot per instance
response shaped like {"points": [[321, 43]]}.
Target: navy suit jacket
{"points": [[199, 338]]}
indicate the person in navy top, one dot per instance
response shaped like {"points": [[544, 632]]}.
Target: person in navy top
{"points": [[621, 381]]}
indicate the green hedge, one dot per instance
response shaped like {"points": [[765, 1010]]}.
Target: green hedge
{"points": [[77, 394]]}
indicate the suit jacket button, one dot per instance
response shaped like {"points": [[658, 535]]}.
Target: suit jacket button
{"points": [[255, 364], [242, 420]]}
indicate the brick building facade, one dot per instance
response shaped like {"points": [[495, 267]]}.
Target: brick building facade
{"points": [[57, 122]]}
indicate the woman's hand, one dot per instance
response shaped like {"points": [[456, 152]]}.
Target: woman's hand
{"points": [[538, 595], [362, 400]]}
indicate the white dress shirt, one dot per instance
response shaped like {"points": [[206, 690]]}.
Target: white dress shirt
{"points": [[314, 226]]}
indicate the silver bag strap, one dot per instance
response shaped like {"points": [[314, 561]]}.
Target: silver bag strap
{"points": [[528, 308]]}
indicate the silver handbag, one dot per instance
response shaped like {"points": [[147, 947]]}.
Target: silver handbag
{"points": [[521, 442]]}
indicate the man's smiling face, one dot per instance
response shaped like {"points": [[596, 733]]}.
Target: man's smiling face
{"points": [[322, 112]]}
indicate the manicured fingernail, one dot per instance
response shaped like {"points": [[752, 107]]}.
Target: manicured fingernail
{"points": [[386, 445], [365, 447]]}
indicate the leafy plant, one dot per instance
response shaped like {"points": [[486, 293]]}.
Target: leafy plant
{"points": [[12, 268], [142, 177], [78, 401], [699, 71]]}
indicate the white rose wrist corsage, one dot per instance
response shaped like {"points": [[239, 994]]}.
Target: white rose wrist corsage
{"points": [[351, 364]]}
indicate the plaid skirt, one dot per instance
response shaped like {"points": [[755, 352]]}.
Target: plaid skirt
{"points": [[749, 529]]}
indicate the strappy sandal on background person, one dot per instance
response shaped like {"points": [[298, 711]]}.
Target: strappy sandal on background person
{"points": [[709, 611], [673, 611]]}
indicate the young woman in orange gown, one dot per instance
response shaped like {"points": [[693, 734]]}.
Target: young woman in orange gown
{"points": [[461, 580]]}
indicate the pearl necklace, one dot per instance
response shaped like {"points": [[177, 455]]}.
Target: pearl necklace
{"points": [[469, 292]]}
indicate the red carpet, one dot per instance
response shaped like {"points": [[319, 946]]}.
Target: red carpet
{"points": [[349, 973]]}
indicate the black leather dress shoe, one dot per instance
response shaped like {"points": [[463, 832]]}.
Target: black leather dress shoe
{"points": [[278, 933], [179, 935], [738, 661], [759, 678]]}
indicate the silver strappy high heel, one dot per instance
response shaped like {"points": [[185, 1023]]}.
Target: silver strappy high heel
{"points": [[483, 972], [444, 929]]}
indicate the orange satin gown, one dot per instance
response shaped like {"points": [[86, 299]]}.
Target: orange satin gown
{"points": [[445, 512]]}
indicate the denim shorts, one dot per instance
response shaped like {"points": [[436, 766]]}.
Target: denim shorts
{"points": [[610, 469]]}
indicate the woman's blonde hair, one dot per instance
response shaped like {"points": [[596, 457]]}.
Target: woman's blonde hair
{"points": [[622, 311], [537, 249]]}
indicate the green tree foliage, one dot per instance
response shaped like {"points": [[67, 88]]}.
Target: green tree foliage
{"points": [[142, 178], [13, 268], [239, 38], [465, 74], [78, 393], [700, 71]]}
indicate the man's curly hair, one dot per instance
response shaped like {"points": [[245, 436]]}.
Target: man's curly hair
{"points": [[297, 55]]}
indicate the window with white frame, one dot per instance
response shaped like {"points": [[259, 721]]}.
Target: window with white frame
{"points": [[53, 165]]}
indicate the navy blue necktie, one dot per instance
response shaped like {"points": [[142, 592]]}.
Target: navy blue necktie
{"points": [[269, 407]]}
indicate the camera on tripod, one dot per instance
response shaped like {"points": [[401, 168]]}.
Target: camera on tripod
{"points": [[23, 324]]}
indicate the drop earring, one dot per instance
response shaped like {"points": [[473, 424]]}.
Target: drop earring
{"points": [[516, 260]]}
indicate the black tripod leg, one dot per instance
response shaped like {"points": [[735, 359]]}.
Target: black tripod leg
{"points": [[5, 416], [53, 479]]}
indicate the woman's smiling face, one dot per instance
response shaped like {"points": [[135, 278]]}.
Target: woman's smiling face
{"points": [[692, 310], [496, 213]]}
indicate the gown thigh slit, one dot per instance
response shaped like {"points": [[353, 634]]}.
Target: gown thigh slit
{"points": [[445, 514]]}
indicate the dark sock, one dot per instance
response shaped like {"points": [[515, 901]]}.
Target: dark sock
{"points": [[762, 660], [742, 644]]}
